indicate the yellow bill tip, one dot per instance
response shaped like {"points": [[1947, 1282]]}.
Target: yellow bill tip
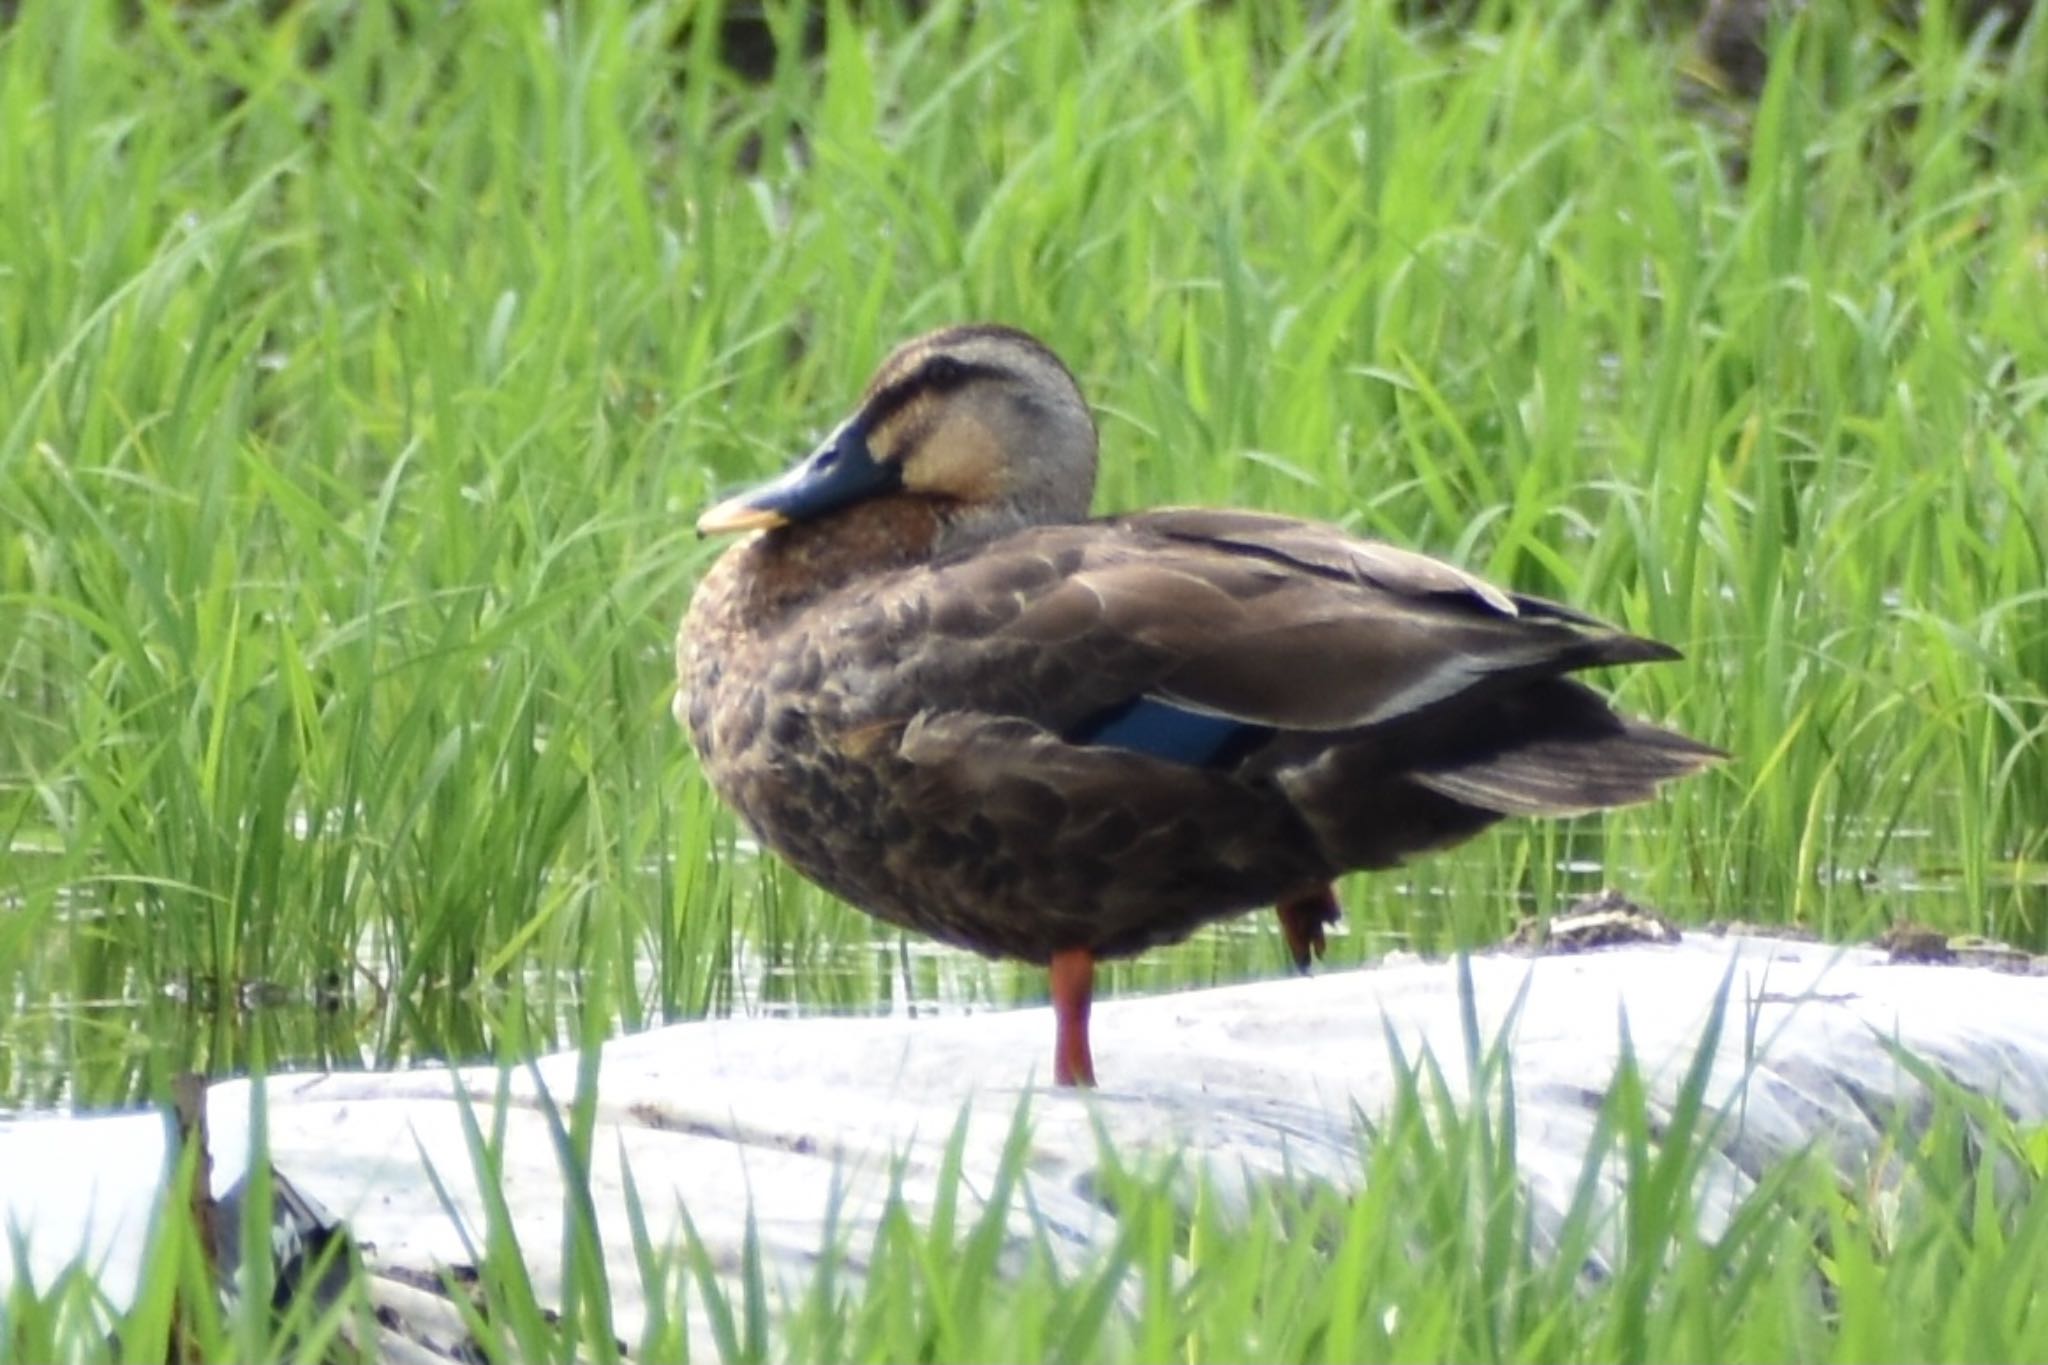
{"points": [[738, 514]]}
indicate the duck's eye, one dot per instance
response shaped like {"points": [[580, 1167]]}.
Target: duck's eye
{"points": [[944, 372]]}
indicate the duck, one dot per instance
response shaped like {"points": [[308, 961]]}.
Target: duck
{"points": [[927, 678]]}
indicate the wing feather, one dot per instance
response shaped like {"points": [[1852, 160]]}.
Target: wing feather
{"points": [[1264, 620]]}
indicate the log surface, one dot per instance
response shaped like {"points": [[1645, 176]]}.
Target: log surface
{"points": [[1254, 1082]]}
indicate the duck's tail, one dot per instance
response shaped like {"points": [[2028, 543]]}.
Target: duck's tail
{"points": [[1557, 748]]}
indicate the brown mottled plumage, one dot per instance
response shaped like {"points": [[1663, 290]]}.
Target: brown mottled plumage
{"points": [[947, 697]]}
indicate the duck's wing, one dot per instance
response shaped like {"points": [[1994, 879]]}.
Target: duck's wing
{"points": [[1183, 657], [1265, 621]]}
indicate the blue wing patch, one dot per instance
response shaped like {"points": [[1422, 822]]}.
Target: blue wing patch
{"points": [[1159, 729]]}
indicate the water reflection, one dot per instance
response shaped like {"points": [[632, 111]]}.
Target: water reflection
{"points": [[115, 1041]]}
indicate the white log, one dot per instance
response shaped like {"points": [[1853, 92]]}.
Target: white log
{"points": [[728, 1117]]}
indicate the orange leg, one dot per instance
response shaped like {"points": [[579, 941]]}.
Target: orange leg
{"points": [[1073, 986], [1302, 918]]}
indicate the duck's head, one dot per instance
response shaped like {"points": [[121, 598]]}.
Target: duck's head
{"points": [[981, 423]]}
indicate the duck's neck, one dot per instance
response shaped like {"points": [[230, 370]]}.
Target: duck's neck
{"points": [[787, 568]]}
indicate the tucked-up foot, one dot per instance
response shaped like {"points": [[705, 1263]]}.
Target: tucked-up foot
{"points": [[1302, 919]]}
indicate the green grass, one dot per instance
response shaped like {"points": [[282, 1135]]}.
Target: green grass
{"points": [[362, 370]]}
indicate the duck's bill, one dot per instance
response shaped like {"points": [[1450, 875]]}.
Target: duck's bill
{"points": [[837, 473], [739, 514]]}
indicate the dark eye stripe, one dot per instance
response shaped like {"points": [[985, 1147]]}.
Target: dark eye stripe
{"points": [[943, 372], [935, 374]]}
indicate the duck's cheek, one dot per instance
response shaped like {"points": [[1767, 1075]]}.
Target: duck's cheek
{"points": [[959, 458]]}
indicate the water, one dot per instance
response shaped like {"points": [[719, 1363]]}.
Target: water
{"points": [[121, 1041]]}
